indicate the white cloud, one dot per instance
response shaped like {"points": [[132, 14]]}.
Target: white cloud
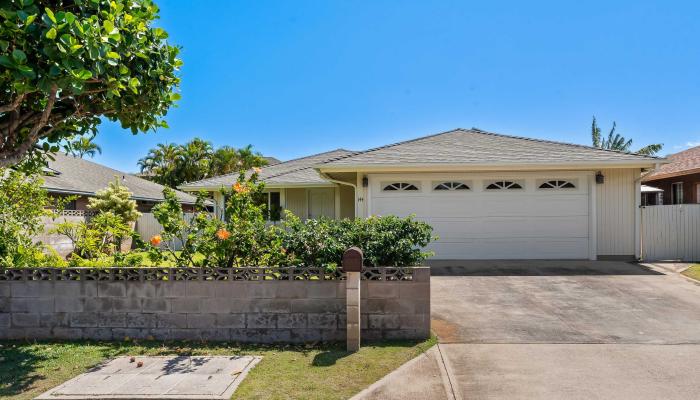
{"points": [[687, 145]]}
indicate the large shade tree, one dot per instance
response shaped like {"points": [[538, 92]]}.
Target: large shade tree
{"points": [[66, 64], [617, 142], [175, 164]]}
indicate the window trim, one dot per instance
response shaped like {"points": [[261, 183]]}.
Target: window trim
{"points": [[559, 184], [451, 186], [504, 185], [401, 186], [674, 199]]}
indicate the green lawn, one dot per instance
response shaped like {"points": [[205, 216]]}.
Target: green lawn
{"points": [[286, 372], [693, 272]]}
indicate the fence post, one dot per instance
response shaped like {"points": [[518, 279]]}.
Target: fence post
{"points": [[352, 265]]}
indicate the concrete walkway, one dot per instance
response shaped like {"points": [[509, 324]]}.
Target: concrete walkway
{"points": [[158, 377], [557, 330], [424, 377]]}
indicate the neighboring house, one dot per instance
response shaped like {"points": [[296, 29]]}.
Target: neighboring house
{"points": [[679, 179], [652, 196], [487, 196], [74, 176]]}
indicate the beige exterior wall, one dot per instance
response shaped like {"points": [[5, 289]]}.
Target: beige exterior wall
{"points": [[297, 201], [617, 205], [347, 201]]}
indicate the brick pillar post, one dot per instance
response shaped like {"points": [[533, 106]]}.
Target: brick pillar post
{"points": [[352, 265]]}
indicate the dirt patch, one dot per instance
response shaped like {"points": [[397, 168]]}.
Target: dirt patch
{"points": [[445, 331]]}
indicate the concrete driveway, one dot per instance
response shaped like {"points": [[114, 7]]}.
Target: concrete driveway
{"points": [[563, 330]]}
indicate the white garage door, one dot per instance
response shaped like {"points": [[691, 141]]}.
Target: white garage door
{"points": [[517, 216]]}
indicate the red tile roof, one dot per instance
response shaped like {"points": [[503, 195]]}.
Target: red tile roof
{"points": [[684, 163]]}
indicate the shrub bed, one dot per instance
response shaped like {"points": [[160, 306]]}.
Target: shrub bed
{"points": [[243, 238]]}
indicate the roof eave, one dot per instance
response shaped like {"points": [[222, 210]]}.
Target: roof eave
{"points": [[278, 185], [490, 166], [92, 194], [672, 175]]}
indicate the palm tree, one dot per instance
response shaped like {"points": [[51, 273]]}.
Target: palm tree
{"points": [[227, 159], [173, 164], [83, 146], [617, 142], [195, 160], [161, 164]]}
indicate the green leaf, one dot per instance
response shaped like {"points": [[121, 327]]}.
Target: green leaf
{"points": [[108, 25], [26, 71], [123, 70], [7, 62], [68, 39], [51, 34], [4, 44], [29, 20], [160, 33], [175, 96], [83, 74], [114, 55], [70, 17], [19, 56], [49, 13]]}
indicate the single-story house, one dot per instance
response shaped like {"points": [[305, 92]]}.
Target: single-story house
{"points": [[67, 175], [487, 195], [679, 180]]}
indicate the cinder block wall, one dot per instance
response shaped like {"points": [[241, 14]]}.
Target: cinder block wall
{"points": [[239, 311]]}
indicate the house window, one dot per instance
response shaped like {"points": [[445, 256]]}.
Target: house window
{"points": [[275, 206], [557, 184], [400, 186], [451, 186], [677, 193], [71, 205], [272, 203], [503, 185]]}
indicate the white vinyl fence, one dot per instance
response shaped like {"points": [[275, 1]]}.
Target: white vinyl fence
{"points": [[147, 227], [671, 232]]}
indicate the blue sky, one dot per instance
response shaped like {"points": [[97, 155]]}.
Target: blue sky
{"points": [[298, 77]]}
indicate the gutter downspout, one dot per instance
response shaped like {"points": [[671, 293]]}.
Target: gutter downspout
{"points": [[354, 187], [641, 215]]}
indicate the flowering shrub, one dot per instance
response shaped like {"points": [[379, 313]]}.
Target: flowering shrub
{"points": [[241, 239]]}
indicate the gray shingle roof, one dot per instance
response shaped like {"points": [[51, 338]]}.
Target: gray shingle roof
{"points": [[474, 146], [299, 171], [79, 176]]}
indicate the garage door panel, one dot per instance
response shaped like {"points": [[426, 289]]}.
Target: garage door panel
{"points": [[501, 224], [511, 248], [552, 227], [477, 206], [405, 207]]}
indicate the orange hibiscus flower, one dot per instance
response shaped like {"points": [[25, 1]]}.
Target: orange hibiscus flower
{"points": [[239, 188], [155, 240], [223, 234]]}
